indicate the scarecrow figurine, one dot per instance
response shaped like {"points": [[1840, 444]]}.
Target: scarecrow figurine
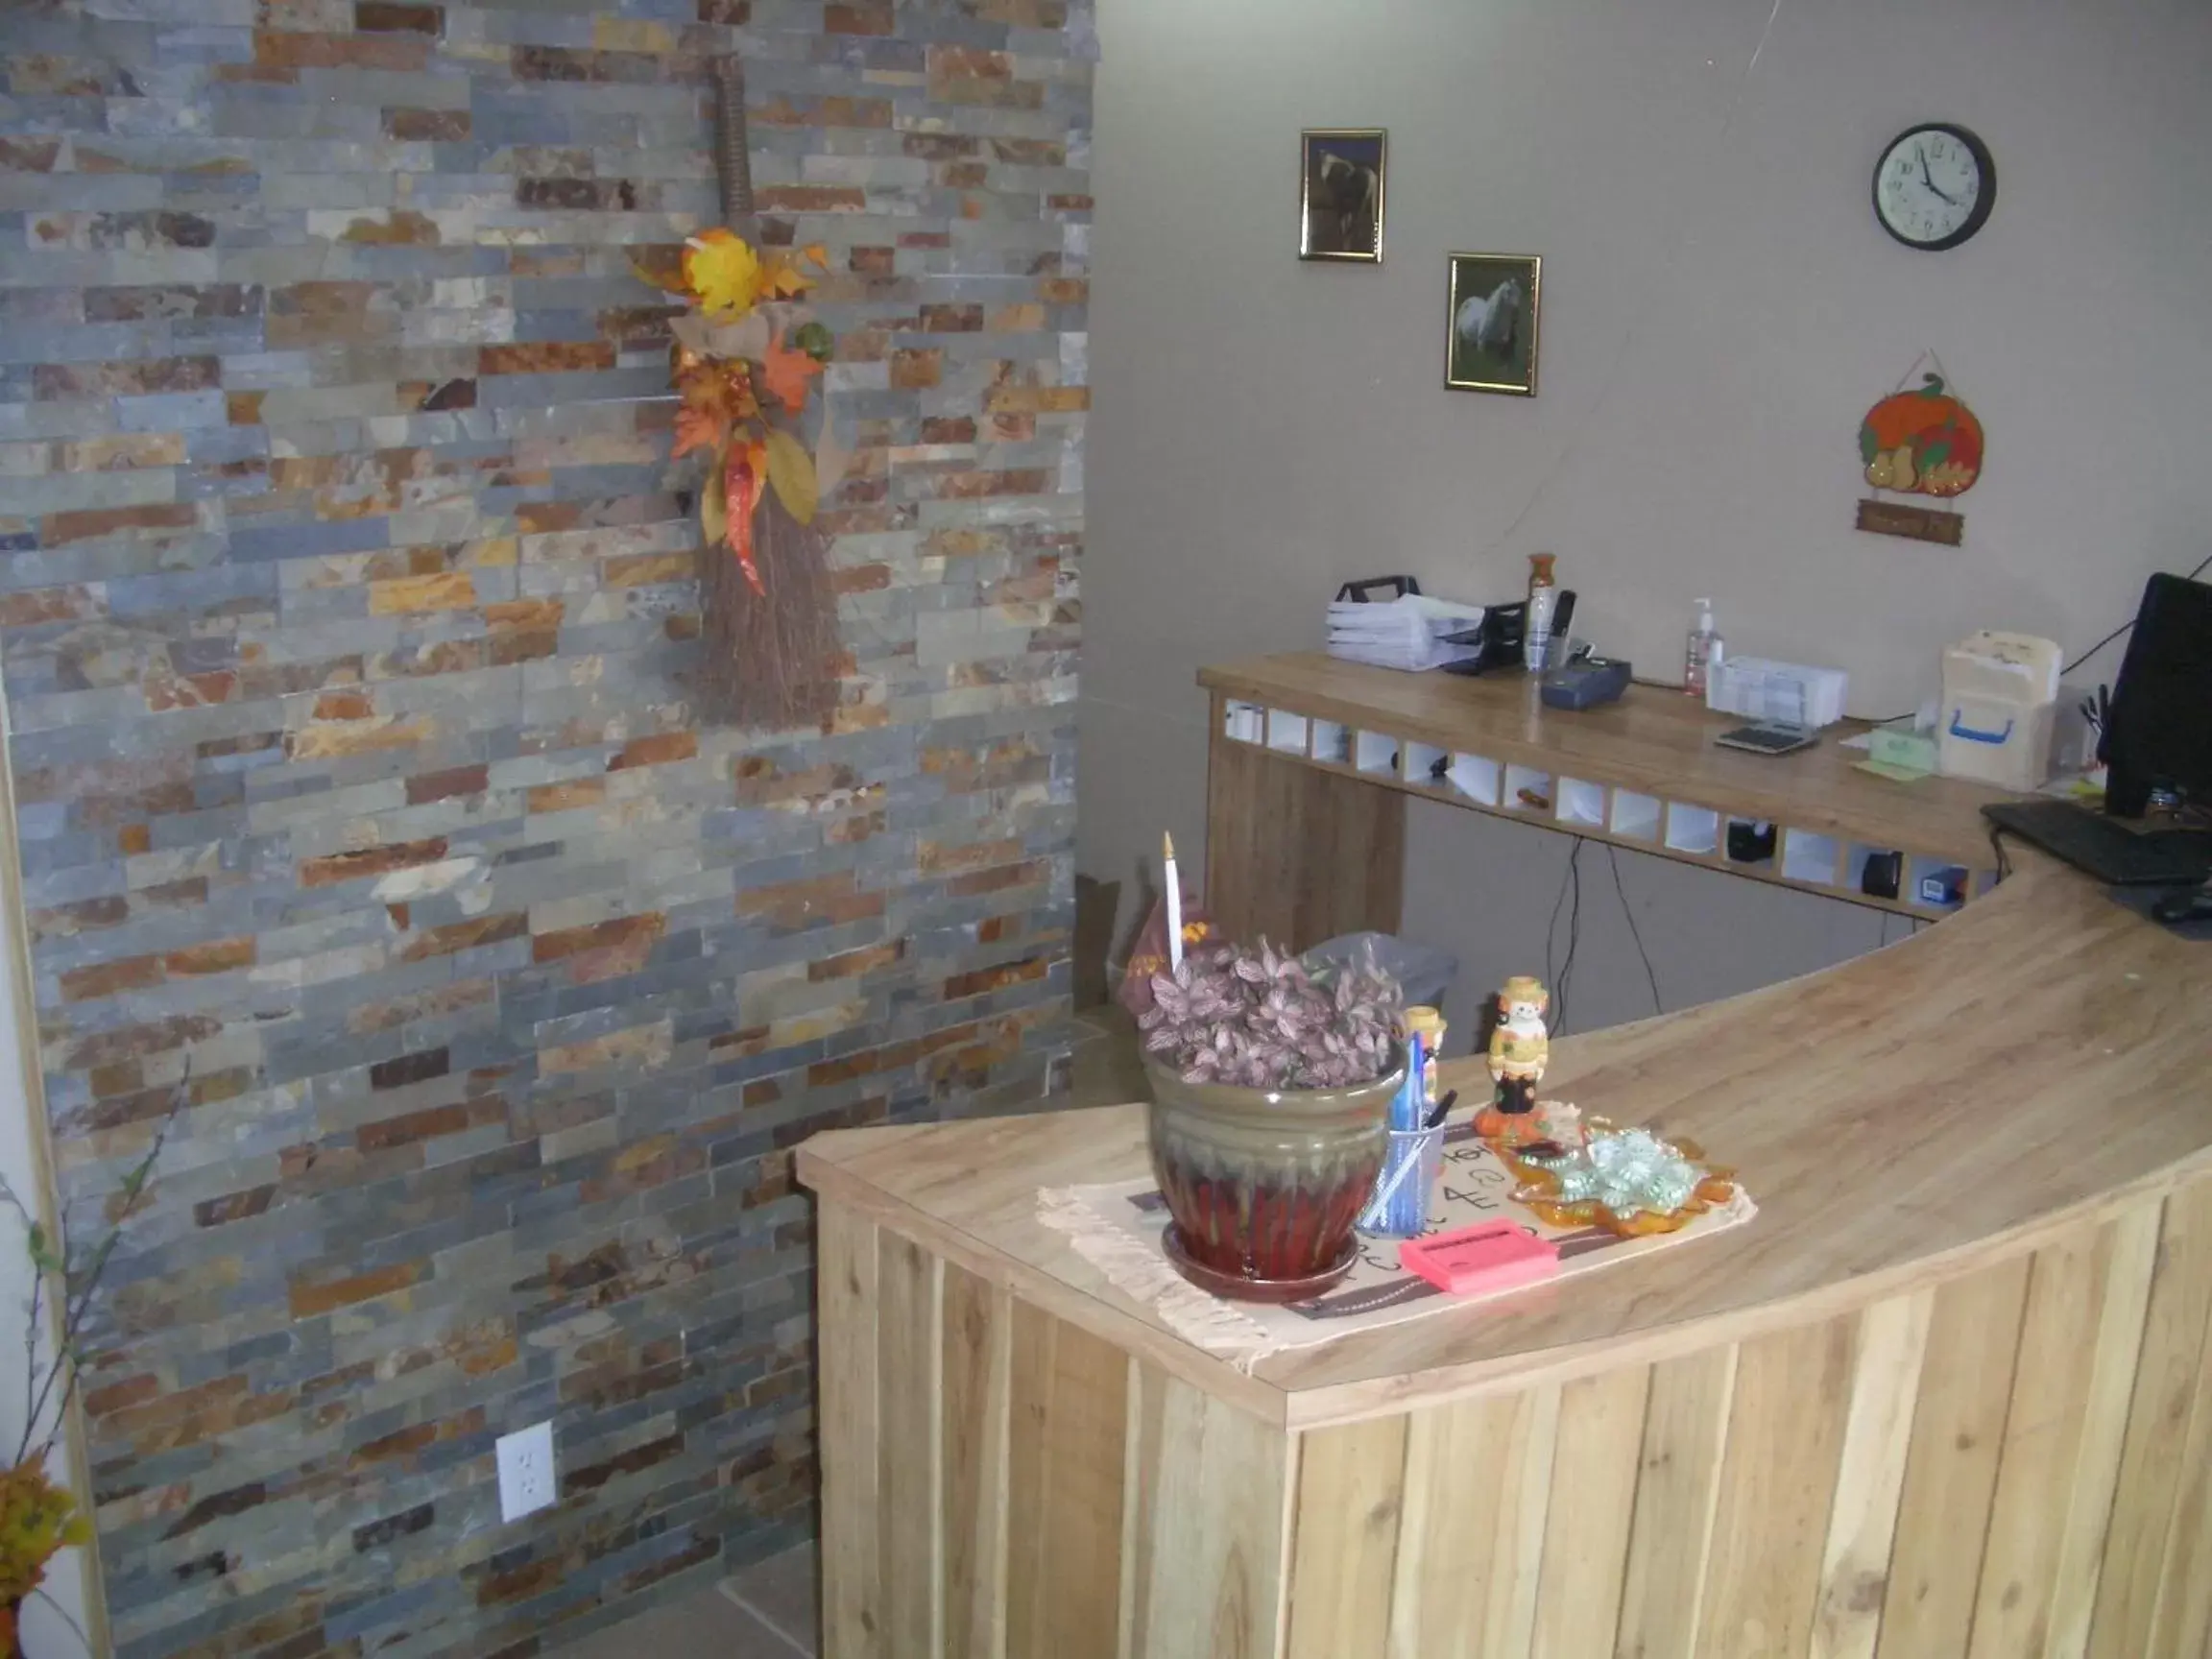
{"points": [[1519, 1050]]}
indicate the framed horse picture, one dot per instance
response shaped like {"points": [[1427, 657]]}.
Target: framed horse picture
{"points": [[1340, 194], [1491, 344]]}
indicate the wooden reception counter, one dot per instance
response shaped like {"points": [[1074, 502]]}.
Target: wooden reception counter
{"points": [[1946, 1396]]}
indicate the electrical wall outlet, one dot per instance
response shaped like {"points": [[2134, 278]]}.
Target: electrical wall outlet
{"points": [[526, 1475]]}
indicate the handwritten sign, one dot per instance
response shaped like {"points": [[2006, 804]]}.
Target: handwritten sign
{"points": [[1920, 523]]}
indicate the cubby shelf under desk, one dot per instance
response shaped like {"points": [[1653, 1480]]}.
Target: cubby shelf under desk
{"points": [[1312, 758]]}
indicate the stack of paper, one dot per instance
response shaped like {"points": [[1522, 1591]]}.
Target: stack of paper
{"points": [[1408, 632], [1785, 693]]}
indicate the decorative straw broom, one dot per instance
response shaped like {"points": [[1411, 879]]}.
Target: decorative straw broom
{"points": [[771, 660]]}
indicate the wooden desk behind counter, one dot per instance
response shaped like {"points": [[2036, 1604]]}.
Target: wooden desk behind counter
{"points": [[1946, 1395], [1312, 759]]}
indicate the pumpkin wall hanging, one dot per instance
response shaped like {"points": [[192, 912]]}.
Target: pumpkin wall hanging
{"points": [[1921, 440]]}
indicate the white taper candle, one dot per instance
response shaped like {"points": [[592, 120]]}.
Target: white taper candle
{"points": [[1174, 902]]}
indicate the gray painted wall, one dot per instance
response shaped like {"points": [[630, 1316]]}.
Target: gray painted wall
{"points": [[1720, 309]]}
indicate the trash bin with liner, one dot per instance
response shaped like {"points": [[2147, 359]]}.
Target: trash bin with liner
{"points": [[1422, 971]]}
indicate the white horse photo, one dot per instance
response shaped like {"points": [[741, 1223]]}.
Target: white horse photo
{"points": [[1492, 322]]}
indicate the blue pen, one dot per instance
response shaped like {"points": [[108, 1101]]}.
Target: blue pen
{"points": [[1406, 1111], [1399, 1203]]}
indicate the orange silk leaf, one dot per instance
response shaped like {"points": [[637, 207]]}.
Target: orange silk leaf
{"points": [[745, 474], [785, 373], [697, 429], [782, 281]]}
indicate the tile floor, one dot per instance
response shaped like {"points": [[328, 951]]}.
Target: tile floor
{"points": [[768, 1610], [764, 1612], [1109, 1067]]}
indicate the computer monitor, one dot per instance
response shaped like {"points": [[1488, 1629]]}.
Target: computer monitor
{"points": [[2159, 732]]}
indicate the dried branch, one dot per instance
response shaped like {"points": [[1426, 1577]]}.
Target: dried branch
{"points": [[771, 662], [64, 1615], [77, 1305]]}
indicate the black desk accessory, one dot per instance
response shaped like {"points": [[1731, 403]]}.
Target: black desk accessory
{"points": [[1585, 683], [1751, 843], [1442, 1109], [1766, 737], [2195, 924], [2190, 904], [1883, 874], [2106, 847], [1498, 640], [1360, 593], [1563, 613]]}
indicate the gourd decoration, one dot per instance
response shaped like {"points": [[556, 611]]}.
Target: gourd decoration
{"points": [[1924, 442]]}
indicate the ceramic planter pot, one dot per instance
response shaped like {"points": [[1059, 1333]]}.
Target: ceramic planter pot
{"points": [[1264, 1185]]}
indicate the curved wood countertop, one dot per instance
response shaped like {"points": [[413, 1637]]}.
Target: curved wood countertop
{"points": [[1968, 1093]]}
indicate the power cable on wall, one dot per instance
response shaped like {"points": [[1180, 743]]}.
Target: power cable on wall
{"points": [[1551, 931], [1635, 932], [1559, 982], [2202, 563], [1558, 973]]}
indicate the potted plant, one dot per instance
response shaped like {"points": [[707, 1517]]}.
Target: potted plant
{"points": [[1271, 1091]]}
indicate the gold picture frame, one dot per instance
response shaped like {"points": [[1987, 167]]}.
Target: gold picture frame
{"points": [[1342, 192], [1490, 335]]}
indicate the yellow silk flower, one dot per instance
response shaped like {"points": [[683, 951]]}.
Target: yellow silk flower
{"points": [[37, 1519], [722, 270]]}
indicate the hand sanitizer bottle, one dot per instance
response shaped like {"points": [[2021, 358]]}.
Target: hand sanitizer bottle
{"points": [[1702, 659]]}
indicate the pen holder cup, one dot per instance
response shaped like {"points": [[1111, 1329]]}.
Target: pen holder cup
{"points": [[1399, 1206]]}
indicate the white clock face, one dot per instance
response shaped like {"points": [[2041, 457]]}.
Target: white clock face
{"points": [[1928, 187]]}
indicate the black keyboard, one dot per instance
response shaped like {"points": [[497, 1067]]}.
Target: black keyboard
{"points": [[2104, 847]]}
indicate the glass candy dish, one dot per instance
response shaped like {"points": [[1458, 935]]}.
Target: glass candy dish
{"points": [[1628, 1182]]}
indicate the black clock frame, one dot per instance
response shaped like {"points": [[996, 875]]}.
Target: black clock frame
{"points": [[1983, 202]]}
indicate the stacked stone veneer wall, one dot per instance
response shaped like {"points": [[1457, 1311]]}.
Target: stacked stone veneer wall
{"points": [[347, 608]]}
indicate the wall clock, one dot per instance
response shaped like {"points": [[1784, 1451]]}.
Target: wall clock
{"points": [[1935, 186]]}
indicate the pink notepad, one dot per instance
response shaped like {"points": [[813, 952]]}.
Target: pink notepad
{"points": [[1478, 1261]]}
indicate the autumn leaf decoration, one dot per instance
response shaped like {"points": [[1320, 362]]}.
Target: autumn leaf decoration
{"points": [[723, 273], [786, 374], [744, 363]]}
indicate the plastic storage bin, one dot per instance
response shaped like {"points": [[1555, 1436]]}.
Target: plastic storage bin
{"points": [[1423, 971], [2000, 697]]}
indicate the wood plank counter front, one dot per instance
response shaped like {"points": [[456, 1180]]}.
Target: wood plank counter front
{"points": [[1946, 1396]]}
